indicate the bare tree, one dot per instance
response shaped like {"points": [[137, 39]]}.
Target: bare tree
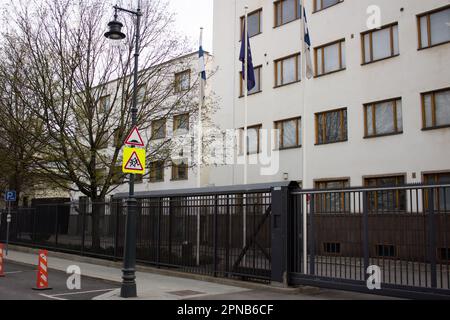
{"points": [[77, 85]]}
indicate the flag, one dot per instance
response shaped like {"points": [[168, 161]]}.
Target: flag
{"points": [[251, 83], [201, 59], [307, 47]]}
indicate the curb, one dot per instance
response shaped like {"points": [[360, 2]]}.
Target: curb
{"points": [[172, 273]]}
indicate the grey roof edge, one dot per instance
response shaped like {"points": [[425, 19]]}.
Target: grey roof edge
{"points": [[211, 190]]}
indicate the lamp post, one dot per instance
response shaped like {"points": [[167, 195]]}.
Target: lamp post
{"points": [[128, 289]]}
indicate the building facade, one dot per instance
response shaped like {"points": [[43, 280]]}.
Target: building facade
{"points": [[376, 112]]}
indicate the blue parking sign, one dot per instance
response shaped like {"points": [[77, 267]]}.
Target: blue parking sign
{"points": [[10, 196]]}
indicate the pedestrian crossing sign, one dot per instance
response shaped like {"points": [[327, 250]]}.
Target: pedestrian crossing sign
{"points": [[133, 161]]}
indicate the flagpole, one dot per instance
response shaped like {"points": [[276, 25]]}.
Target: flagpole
{"points": [[245, 85], [304, 145], [200, 124], [200, 146]]}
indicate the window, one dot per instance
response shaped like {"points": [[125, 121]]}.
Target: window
{"points": [[287, 70], [380, 44], [257, 87], [159, 129], [183, 81], [104, 104], [444, 254], [387, 200], [330, 58], [254, 23], [289, 133], [332, 202], [287, 11], [179, 170], [181, 124], [434, 28], [332, 248], [331, 127], [441, 195], [383, 118], [157, 171], [436, 109], [385, 251], [253, 140], [323, 4]]}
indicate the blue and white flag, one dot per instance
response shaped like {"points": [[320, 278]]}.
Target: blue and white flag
{"points": [[307, 47], [251, 82], [201, 59]]}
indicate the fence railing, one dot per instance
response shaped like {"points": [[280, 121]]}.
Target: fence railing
{"points": [[219, 232], [257, 233], [404, 231]]}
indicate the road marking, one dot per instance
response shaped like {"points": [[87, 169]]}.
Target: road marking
{"points": [[14, 272], [51, 297], [81, 292]]}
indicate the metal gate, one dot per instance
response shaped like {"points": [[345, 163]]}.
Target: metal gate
{"points": [[396, 238]]}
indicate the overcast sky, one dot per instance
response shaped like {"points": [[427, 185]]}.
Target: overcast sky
{"points": [[190, 16], [193, 14]]}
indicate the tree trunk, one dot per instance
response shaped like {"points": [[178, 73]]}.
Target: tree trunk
{"points": [[98, 213]]}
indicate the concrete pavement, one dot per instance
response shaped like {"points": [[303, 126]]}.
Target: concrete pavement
{"points": [[153, 286]]}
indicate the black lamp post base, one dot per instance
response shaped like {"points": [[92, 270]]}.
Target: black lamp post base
{"points": [[128, 290]]}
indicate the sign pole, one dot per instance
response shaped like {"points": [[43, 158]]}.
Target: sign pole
{"points": [[8, 222]]}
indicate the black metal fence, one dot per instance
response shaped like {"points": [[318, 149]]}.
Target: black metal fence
{"points": [[403, 231], [218, 232], [258, 233]]}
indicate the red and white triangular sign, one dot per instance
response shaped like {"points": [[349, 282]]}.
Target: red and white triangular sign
{"points": [[135, 139], [134, 164]]}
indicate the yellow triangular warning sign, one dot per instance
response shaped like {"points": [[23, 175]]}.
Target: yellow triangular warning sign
{"points": [[134, 161]]}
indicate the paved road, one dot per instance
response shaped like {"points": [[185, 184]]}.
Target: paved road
{"points": [[20, 278]]}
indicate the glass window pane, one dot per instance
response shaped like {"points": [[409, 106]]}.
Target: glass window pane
{"points": [[319, 61], [253, 140], [384, 118], [279, 76], [442, 108], [290, 134], [381, 44], [253, 24], [332, 127], [320, 120], [399, 116], [344, 57], [367, 57], [289, 70], [423, 32], [428, 111], [331, 55], [395, 40], [328, 3], [370, 121], [440, 28], [257, 87], [289, 13]]}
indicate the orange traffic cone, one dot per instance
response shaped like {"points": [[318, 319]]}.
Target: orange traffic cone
{"points": [[2, 273], [42, 274]]}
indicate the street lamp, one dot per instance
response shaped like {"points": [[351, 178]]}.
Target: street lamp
{"points": [[128, 289]]}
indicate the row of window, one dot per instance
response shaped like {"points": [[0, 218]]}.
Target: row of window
{"points": [[157, 170], [380, 119], [285, 11], [379, 201], [378, 44]]}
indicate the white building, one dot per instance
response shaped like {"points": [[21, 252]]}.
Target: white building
{"points": [[171, 132], [388, 90]]}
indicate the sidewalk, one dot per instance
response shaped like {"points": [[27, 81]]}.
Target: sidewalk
{"points": [[152, 286]]}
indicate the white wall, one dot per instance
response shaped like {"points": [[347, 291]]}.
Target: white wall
{"points": [[406, 76]]}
